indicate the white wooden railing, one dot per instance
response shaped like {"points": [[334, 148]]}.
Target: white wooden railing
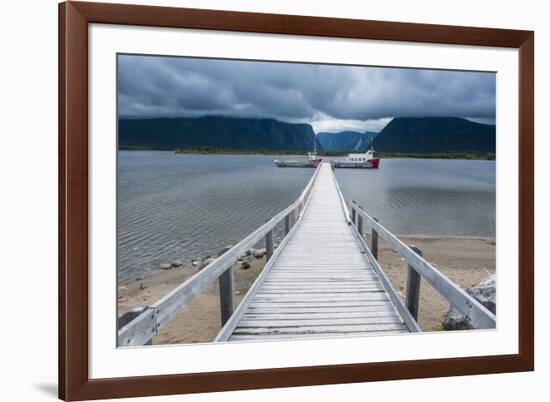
{"points": [[476, 314]]}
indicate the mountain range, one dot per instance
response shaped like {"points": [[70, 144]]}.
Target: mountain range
{"points": [[216, 132], [436, 134], [346, 141], [402, 134]]}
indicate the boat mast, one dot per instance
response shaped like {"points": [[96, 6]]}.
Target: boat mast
{"points": [[314, 143]]}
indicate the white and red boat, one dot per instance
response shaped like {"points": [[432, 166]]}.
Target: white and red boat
{"points": [[367, 160], [312, 161]]}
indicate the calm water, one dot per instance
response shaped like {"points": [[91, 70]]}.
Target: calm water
{"points": [[423, 196], [190, 206], [173, 206]]}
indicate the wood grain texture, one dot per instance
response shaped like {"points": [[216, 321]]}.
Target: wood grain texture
{"points": [[74, 382]]}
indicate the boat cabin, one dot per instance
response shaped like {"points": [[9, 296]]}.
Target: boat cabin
{"points": [[361, 158]]}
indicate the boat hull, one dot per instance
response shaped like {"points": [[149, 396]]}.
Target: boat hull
{"points": [[370, 164], [298, 164]]}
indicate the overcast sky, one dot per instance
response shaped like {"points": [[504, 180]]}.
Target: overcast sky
{"points": [[330, 98]]}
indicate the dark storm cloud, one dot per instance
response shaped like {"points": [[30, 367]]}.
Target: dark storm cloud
{"points": [[168, 87]]}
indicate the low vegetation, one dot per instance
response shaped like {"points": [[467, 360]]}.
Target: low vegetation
{"points": [[386, 155], [439, 155]]}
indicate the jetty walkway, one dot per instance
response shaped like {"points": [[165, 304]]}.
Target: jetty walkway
{"points": [[322, 279]]}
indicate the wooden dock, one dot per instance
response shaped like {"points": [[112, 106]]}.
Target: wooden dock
{"points": [[321, 281]]}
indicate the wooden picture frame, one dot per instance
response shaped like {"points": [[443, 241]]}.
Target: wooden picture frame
{"points": [[74, 381]]}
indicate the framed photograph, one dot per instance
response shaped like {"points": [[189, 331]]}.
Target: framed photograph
{"points": [[259, 200]]}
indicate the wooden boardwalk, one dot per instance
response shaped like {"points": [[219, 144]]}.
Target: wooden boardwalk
{"points": [[322, 280], [320, 283]]}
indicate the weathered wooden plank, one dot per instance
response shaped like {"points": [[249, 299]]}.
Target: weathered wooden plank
{"points": [[287, 224], [272, 323], [332, 284], [227, 295], [413, 287], [318, 285], [373, 296], [278, 337], [305, 292], [342, 286], [140, 330], [315, 315], [347, 304], [266, 309], [312, 329], [321, 270], [374, 241], [313, 275], [269, 245]]}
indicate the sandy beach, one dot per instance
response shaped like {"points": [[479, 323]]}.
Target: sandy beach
{"points": [[464, 260], [200, 321]]}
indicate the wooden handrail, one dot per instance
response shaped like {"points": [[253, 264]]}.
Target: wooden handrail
{"points": [[342, 201], [477, 315], [142, 328]]}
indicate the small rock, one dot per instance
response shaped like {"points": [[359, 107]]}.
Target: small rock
{"points": [[245, 265], [207, 261], [195, 263], [251, 251], [165, 266], [177, 263], [139, 278], [484, 292], [141, 286], [259, 253], [123, 291], [454, 321], [237, 292]]}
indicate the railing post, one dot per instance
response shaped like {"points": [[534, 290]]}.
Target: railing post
{"points": [[287, 224], [374, 241], [353, 213], [227, 294], [129, 316], [413, 287], [360, 225], [268, 245]]}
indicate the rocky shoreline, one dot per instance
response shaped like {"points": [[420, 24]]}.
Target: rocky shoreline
{"points": [[197, 264], [200, 263]]}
